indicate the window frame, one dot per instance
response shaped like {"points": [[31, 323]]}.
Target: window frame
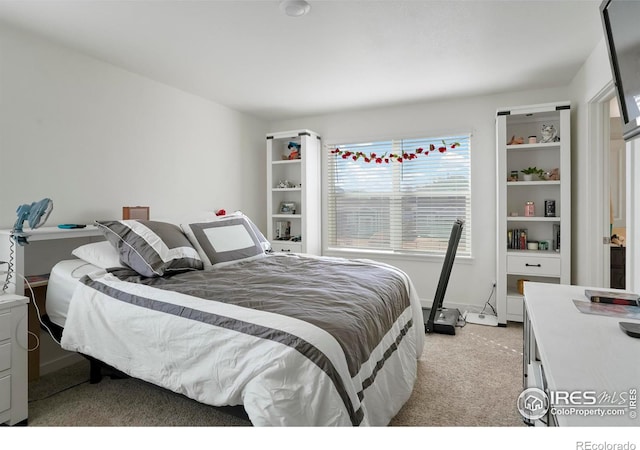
{"points": [[404, 254]]}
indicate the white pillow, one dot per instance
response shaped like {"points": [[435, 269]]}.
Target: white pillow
{"points": [[100, 254]]}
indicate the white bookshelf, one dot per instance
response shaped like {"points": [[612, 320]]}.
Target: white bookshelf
{"points": [[302, 189], [514, 262]]}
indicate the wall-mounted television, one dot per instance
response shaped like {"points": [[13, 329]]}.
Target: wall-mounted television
{"points": [[621, 20]]}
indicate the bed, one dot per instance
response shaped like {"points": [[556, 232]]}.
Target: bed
{"points": [[297, 340]]}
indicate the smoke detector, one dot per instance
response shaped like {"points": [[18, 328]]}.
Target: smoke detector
{"points": [[295, 8]]}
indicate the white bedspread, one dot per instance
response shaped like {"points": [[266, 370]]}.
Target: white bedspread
{"points": [[274, 380]]}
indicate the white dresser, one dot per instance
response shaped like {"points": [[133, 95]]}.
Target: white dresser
{"points": [[13, 359], [582, 365]]}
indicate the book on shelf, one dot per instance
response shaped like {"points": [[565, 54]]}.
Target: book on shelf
{"points": [[517, 239], [612, 298], [556, 236], [36, 280]]}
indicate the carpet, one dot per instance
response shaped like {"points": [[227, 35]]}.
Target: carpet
{"points": [[471, 379]]}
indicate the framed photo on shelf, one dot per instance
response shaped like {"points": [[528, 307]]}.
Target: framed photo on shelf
{"points": [[283, 230], [287, 208]]}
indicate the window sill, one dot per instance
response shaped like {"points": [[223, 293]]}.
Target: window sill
{"points": [[390, 256]]}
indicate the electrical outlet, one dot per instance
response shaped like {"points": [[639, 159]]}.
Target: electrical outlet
{"points": [[494, 283]]}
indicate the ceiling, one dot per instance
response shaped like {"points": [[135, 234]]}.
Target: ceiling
{"points": [[343, 55]]}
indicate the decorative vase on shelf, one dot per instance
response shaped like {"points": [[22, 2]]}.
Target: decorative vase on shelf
{"points": [[528, 176]]}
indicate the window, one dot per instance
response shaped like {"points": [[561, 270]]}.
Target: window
{"points": [[377, 203]]}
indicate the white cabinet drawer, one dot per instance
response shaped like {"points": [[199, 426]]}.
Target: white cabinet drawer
{"points": [[533, 265], [293, 247], [5, 326], [5, 393], [5, 356]]}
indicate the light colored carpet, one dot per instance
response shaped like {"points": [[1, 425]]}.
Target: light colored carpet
{"points": [[470, 379]]}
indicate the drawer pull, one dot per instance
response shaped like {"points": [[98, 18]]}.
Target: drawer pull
{"points": [[533, 265]]}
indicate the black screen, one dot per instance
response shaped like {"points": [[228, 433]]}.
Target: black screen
{"points": [[622, 25]]}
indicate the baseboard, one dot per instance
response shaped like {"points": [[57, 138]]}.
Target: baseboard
{"points": [[60, 363], [453, 305]]}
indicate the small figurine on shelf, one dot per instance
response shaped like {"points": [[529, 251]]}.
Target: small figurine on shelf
{"points": [[514, 140], [294, 149], [285, 184], [549, 134], [553, 174]]}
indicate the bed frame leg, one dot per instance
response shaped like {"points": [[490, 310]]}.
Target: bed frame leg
{"points": [[98, 369], [95, 371]]}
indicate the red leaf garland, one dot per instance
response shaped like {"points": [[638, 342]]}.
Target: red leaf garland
{"points": [[387, 158]]}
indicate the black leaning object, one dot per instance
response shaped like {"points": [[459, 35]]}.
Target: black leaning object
{"points": [[447, 319]]}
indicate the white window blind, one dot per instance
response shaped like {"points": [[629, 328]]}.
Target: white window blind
{"points": [[404, 207]]}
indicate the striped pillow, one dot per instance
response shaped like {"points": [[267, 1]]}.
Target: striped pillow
{"points": [[153, 249]]}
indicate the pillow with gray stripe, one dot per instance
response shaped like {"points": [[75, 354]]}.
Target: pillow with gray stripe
{"points": [[151, 248], [225, 241]]}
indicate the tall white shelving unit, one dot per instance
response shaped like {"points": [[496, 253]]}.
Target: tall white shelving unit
{"points": [[302, 190], [515, 263]]}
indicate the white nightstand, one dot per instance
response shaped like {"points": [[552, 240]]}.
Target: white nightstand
{"points": [[13, 359]]}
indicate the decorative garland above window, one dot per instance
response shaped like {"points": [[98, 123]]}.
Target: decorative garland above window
{"points": [[391, 157]]}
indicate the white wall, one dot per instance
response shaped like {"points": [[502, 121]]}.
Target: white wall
{"points": [[592, 81], [471, 280], [94, 138], [632, 275]]}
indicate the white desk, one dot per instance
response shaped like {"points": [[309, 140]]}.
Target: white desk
{"points": [[46, 244], [578, 352]]}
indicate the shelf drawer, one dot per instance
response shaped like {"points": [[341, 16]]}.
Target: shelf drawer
{"points": [[5, 326], [5, 393], [533, 265], [5, 356], [292, 247]]}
